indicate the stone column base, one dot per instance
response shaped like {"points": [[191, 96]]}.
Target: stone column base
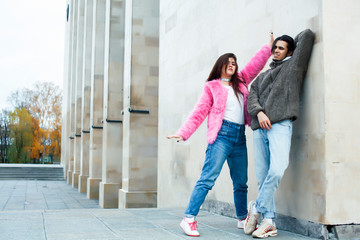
{"points": [[137, 199], [75, 179], [69, 177], [93, 188], [109, 195], [83, 184]]}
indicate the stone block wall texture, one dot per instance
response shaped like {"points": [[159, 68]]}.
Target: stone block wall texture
{"points": [[141, 64], [319, 185], [342, 100], [86, 94]]}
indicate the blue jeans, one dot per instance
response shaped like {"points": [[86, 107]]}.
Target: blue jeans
{"points": [[230, 145], [271, 153]]}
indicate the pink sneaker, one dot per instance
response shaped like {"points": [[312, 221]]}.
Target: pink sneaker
{"points": [[189, 225]]}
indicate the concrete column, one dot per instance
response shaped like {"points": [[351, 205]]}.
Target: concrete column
{"points": [[74, 15], [96, 103], [78, 92], [65, 109], [86, 92], [341, 99], [113, 103], [139, 185]]}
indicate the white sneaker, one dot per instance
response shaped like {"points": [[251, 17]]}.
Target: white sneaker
{"points": [[241, 224], [265, 230], [189, 225], [251, 219]]}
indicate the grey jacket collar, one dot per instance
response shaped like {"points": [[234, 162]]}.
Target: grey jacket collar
{"points": [[274, 64]]}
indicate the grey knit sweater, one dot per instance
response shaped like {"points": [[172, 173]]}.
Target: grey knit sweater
{"points": [[276, 92]]}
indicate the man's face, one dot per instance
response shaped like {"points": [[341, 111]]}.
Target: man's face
{"points": [[281, 50]]}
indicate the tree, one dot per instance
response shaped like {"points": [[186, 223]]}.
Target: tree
{"points": [[38, 133], [45, 106], [43, 103], [55, 141], [20, 123], [4, 135], [20, 98]]}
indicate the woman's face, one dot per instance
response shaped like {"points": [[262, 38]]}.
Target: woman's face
{"points": [[229, 69]]}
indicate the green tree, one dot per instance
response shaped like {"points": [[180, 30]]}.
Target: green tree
{"points": [[4, 135], [21, 135]]}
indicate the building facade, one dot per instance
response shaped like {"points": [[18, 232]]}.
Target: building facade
{"points": [[134, 69]]}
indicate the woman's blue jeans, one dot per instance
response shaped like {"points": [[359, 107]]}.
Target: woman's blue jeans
{"points": [[230, 145]]}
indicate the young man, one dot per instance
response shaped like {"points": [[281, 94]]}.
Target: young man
{"points": [[274, 104]]}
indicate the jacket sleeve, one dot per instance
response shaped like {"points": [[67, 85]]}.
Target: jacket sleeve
{"points": [[198, 115], [256, 64], [253, 105], [304, 43]]}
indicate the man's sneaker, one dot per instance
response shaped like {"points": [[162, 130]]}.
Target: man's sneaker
{"points": [[189, 225], [265, 230], [251, 219], [241, 224]]}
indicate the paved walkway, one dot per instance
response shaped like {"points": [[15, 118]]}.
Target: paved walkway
{"points": [[53, 210], [41, 195]]}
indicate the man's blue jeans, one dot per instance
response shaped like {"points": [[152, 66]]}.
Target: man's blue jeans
{"points": [[230, 145], [271, 153]]}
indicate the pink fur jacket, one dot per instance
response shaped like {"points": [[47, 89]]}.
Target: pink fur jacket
{"points": [[213, 99]]}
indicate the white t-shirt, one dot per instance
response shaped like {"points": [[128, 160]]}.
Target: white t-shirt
{"points": [[234, 111]]}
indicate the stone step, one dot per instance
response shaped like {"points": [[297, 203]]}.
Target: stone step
{"points": [[31, 171]]}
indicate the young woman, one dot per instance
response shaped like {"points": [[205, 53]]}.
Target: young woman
{"points": [[223, 101]]}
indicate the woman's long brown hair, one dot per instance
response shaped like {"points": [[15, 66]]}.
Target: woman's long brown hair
{"points": [[215, 73]]}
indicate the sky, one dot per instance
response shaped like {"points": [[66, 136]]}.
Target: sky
{"points": [[32, 34]]}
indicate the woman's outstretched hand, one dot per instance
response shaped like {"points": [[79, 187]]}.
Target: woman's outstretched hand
{"points": [[177, 137], [271, 39]]}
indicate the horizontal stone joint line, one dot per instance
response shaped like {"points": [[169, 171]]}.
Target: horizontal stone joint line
{"points": [[85, 131], [77, 135], [114, 121], [139, 111], [97, 127]]}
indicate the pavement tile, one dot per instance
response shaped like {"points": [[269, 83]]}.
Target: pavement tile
{"points": [[17, 225], [149, 234], [53, 210]]}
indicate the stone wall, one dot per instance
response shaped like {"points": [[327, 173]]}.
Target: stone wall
{"points": [[140, 71], [342, 100], [321, 177]]}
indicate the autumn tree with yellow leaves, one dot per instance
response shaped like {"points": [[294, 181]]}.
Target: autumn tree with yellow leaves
{"points": [[43, 104]]}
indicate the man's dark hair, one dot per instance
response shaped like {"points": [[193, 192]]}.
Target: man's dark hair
{"points": [[289, 40]]}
